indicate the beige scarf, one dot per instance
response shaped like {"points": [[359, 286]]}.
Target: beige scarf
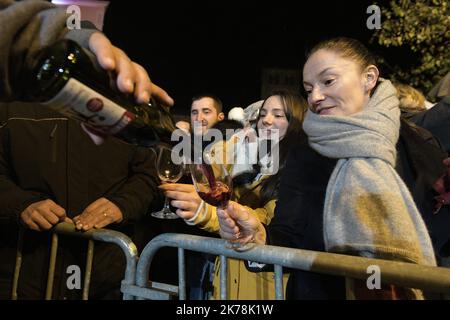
{"points": [[368, 209]]}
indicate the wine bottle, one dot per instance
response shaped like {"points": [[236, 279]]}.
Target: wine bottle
{"points": [[68, 79]]}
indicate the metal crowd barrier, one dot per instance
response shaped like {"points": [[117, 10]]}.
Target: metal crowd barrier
{"points": [[430, 279], [103, 235]]}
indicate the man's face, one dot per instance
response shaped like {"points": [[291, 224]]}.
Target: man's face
{"points": [[204, 114]]}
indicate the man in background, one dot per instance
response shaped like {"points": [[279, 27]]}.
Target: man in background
{"points": [[206, 111]]}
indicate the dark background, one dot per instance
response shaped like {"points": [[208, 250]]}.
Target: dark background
{"points": [[219, 46]]}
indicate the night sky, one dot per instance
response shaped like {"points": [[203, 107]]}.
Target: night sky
{"points": [[218, 46]]}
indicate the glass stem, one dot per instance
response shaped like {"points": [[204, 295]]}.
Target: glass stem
{"points": [[166, 204]]}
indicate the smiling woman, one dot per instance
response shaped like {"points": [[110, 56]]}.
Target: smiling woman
{"points": [[348, 115], [339, 80], [255, 189], [340, 191]]}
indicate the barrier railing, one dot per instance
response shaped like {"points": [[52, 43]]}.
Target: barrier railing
{"points": [[104, 235], [430, 279], [136, 278]]}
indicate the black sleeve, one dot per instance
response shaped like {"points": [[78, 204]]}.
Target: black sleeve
{"points": [[26, 27], [13, 199], [140, 190], [420, 166], [437, 121]]}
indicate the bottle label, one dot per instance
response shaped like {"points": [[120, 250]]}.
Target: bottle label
{"points": [[78, 101]]}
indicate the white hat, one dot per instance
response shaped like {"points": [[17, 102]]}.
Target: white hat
{"points": [[237, 113]]}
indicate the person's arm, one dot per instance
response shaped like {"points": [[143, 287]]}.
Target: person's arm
{"points": [[190, 207], [238, 225], [141, 188], [131, 201], [436, 120], [207, 218], [196, 212], [13, 199], [29, 26], [33, 209], [287, 224]]}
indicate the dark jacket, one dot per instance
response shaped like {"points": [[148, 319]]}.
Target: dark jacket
{"points": [[46, 156], [298, 220], [437, 121]]}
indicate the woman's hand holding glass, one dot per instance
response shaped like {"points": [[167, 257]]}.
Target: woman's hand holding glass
{"points": [[184, 198], [168, 171], [240, 227]]}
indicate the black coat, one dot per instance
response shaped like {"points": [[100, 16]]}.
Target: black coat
{"points": [[44, 155], [298, 220], [437, 121]]}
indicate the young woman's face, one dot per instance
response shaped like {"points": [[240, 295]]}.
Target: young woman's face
{"points": [[335, 85], [273, 117]]}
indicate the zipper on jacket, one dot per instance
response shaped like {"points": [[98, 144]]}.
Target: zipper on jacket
{"points": [[54, 143]]}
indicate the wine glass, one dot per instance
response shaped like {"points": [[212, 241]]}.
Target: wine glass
{"points": [[213, 184], [168, 171]]}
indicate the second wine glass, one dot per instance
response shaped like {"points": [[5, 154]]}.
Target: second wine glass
{"points": [[170, 172], [213, 183]]}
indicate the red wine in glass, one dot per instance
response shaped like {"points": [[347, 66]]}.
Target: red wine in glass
{"points": [[214, 186], [213, 183], [218, 196]]}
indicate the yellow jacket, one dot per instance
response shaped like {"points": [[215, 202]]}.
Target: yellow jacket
{"points": [[242, 284]]}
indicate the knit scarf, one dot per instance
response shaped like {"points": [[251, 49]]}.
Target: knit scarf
{"points": [[368, 209]]}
